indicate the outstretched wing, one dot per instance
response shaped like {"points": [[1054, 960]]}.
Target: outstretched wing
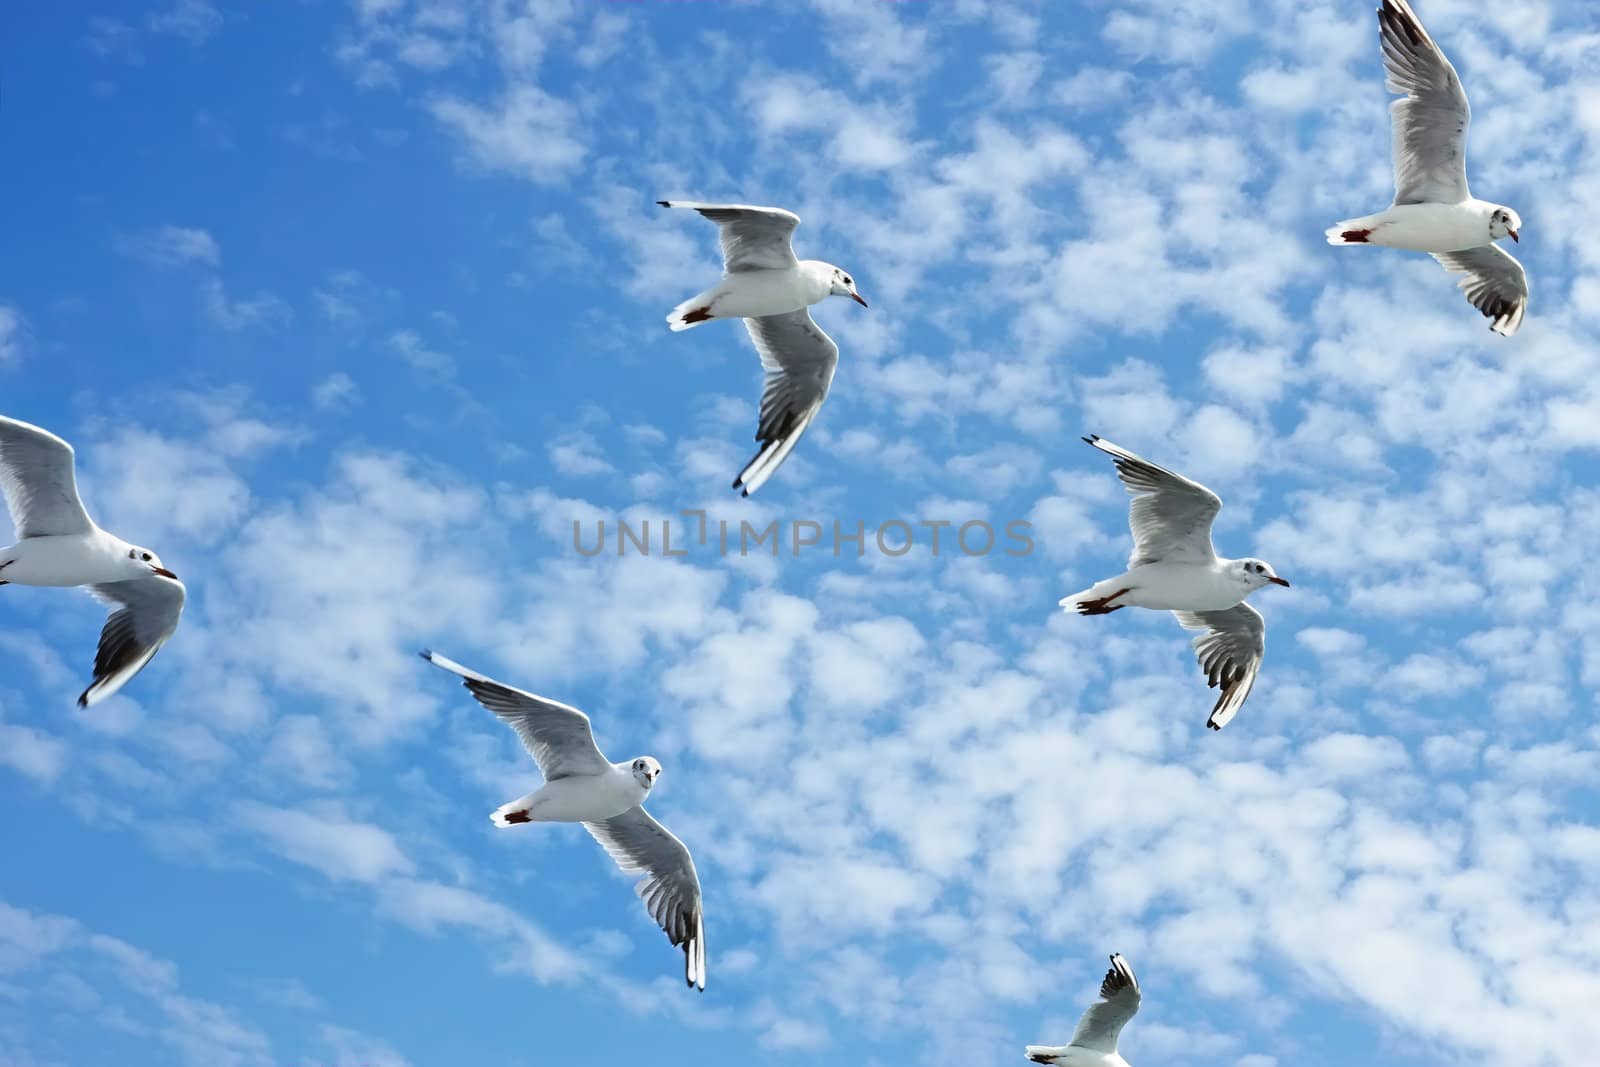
{"points": [[1430, 123], [1119, 1001], [1230, 654], [557, 737], [753, 238], [1495, 284], [670, 887], [799, 360], [1170, 515], [147, 611], [36, 475]]}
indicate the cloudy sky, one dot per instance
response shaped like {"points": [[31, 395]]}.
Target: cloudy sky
{"points": [[352, 309]]}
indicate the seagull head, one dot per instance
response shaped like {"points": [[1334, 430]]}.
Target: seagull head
{"points": [[1258, 573], [145, 562], [1503, 223], [646, 770], [844, 285]]}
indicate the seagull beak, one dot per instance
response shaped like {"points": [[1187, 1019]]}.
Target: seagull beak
{"points": [[857, 298], [163, 572], [1275, 580], [1514, 236]]}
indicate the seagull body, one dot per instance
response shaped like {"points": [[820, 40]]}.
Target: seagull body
{"points": [[766, 286], [1173, 567], [754, 294], [582, 786], [1094, 1042], [581, 798], [59, 545], [1421, 227], [1433, 210]]}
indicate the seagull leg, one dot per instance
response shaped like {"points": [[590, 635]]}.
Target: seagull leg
{"points": [[1103, 605]]}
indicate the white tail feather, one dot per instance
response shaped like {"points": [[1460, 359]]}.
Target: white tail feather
{"points": [[502, 815], [701, 303]]}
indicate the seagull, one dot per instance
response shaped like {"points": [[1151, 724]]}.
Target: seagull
{"points": [[766, 286], [581, 785], [58, 544], [1433, 211], [1094, 1042], [1174, 568]]}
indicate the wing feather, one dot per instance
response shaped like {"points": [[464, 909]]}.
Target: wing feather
{"points": [[670, 887], [1430, 123], [753, 238], [1495, 284], [145, 616], [1119, 1002], [799, 360], [39, 483], [1230, 654], [558, 737], [1170, 516]]}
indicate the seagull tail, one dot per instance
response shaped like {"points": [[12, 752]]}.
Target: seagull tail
{"points": [[1349, 232], [515, 813], [1071, 603], [692, 312], [1044, 1053]]}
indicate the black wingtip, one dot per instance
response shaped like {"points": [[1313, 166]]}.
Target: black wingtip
{"points": [[664, 203], [83, 698], [1091, 439]]}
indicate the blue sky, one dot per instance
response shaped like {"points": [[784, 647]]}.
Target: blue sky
{"points": [[351, 309]]}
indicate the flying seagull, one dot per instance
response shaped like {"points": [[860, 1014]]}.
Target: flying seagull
{"points": [[58, 544], [581, 785], [766, 286], [1174, 568], [1433, 211], [1094, 1042]]}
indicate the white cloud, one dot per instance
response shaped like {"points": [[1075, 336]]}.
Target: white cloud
{"points": [[527, 134], [338, 847], [193, 20], [171, 246], [11, 334]]}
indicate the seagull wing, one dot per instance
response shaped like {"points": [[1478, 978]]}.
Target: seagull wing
{"points": [[670, 887], [557, 737], [1495, 284], [37, 478], [1170, 515], [753, 238], [1230, 653], [146, 614], [1119, 1001], [799, 360], [1430, 124]]}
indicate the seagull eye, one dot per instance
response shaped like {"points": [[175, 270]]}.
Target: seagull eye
{"points": [[147, 557]]}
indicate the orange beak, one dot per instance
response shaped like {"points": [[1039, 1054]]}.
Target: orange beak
{"points": [[857, 298], [1279, 581]]}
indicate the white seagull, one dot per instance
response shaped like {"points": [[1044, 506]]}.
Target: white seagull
{"points": [[766, 286], [58, 544], [1174, 568], [1433, 210], [1094, 1042], [581, 785]]}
